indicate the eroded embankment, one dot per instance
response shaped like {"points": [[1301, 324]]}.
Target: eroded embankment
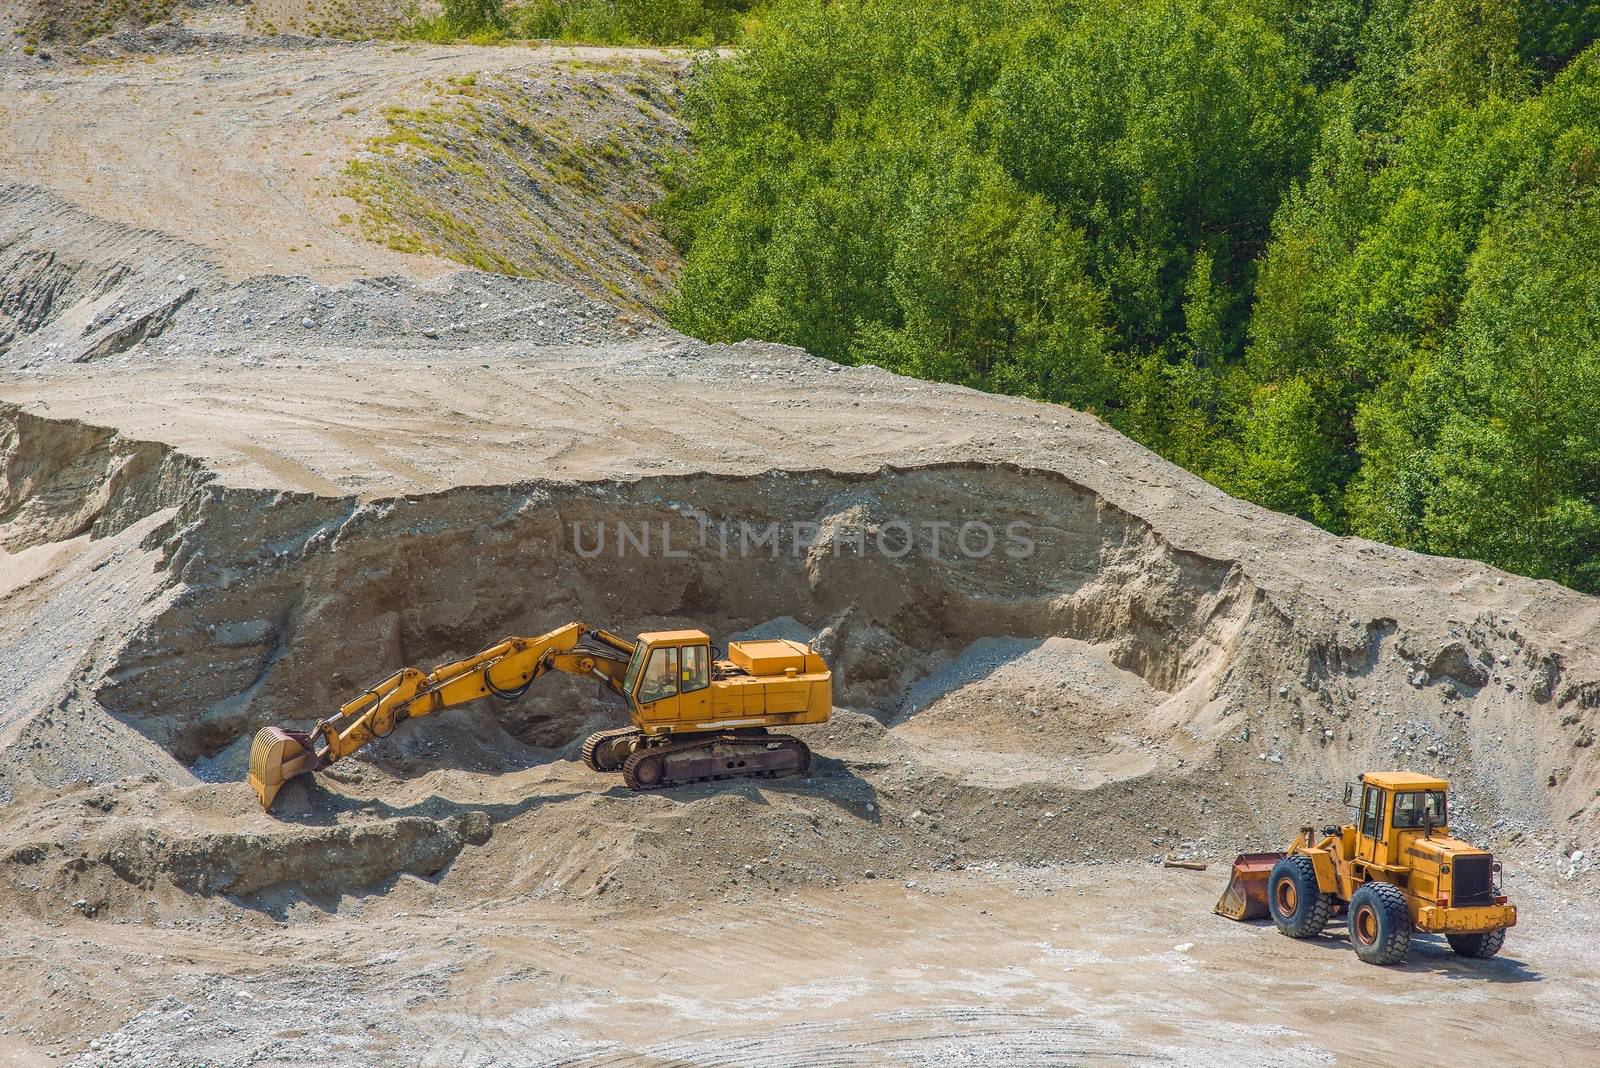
{"points": [[1035, 674], [60, 479], [268, 578], [132, 849], [77, 504], [76, 289], [81, 288]]}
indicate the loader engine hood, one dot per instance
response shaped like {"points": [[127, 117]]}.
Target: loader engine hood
{"points": [[1459, 873], [1439, 849]]}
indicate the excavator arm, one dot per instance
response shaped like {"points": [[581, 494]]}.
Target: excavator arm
{"points": [[504, 670]]}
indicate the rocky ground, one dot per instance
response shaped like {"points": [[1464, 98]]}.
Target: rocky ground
{"points": [[251, 460], [1006, 965]]}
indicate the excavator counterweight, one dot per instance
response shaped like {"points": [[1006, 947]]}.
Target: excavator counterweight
{"points": [[693, 716]]}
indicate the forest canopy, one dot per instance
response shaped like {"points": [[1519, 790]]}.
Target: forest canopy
{"points": [[1336, 256]]}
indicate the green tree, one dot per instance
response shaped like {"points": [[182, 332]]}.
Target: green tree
{"points": [[1516, 467], [1295, 247], [1326, 33], [467, 17], [1552, 32], [991, 288], [1164, 129], [633, 21], [1282, 459], [1467, 49], [1026, 196]]}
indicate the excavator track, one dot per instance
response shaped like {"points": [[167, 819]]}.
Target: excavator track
{"points": [[593, 747], [722, 756]]}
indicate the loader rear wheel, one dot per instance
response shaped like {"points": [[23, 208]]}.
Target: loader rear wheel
{"points": [[1380, 923], [1478, 945], [1298, 905]]}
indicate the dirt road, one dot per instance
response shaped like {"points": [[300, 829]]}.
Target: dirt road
{"points": [[1011, 967], [237, 148]]}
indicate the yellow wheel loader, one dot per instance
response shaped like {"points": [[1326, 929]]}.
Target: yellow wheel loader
{"points": [[694, 716], [1396, 871]]}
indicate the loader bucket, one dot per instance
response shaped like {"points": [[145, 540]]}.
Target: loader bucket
{"points": [[1246, 895], [276, 756]]}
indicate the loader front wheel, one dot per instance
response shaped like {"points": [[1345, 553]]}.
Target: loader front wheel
{"points": [[1478, 945], [1298, 905], [1380, 923]]}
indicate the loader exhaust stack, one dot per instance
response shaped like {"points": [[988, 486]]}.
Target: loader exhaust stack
{"points": [[1246, 895]]}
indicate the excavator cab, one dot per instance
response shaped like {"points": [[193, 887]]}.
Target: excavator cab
{"points": [[669, 676]]}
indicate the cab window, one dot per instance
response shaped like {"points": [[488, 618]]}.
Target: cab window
{"points": [[1372, 812], [696, 671], [660, 676], [635, 665], [1414, 807]]}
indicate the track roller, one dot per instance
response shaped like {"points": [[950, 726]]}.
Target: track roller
{"points": [[606, 750], [721, 756]]}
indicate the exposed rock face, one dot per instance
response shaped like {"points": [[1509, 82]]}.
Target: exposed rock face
{"points": [[1454, 661], [268, 517], [319, 862]]}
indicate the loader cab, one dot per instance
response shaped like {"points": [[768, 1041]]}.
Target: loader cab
{"points": [[669, 676], [1395, 806]]}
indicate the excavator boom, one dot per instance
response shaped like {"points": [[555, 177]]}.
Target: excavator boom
{"points": [[504, 670]]}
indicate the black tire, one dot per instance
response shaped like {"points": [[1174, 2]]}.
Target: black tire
{"points": [[1380, 923], [1482, 945], [1298, 905]]}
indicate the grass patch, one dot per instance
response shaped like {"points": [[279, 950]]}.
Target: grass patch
{"points": [[72, 21], [478, 175], [697, 23]]}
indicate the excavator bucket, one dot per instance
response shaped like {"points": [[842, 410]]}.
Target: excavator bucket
{"points": [[276, 756], [1246, 895]]}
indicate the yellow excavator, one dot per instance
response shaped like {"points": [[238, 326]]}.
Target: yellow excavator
{"points": [[1399, 870], [694, 716]]}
